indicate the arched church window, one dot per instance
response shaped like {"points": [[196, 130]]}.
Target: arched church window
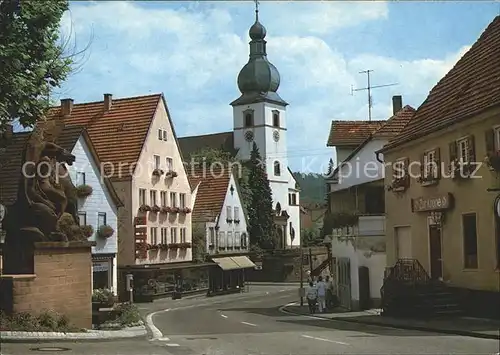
{"points": [[248, 118], [277, 168], [276, 118]]}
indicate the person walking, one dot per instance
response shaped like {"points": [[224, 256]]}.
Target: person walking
{"points": [[312, 296], [329, 292], [321, 289]]}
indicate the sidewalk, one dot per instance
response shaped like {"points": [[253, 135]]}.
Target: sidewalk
{"points": [[465, 326]]}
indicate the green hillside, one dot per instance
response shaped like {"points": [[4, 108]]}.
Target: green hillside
{"points": [[313, 187]]}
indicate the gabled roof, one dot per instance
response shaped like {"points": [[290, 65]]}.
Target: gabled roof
{"points": [[118, 135], [471, 86], [223, 141], [392, 127], [212, 190], [11, 161], [351, 133]]}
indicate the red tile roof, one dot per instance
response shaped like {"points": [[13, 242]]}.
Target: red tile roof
{"points": [[211, 193], [117, 135], [471, 86], [351, 133], [396, 123]]}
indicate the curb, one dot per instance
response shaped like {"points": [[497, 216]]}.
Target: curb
{"points": [[90, 335], [277, 284], [407, 327]]}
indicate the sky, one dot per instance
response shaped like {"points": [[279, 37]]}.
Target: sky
{"points": [[192, 51]]}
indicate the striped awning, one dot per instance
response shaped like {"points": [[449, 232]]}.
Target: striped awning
{"points": [[226, 263], [243, 261]]}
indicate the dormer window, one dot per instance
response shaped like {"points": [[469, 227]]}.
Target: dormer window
{"points": [[248, 116], [276, 118], [277, 168]]}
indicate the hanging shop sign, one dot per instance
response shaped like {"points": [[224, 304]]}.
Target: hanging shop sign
{"points": [[435, 203]]}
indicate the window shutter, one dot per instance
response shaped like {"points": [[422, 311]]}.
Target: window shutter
{"points": [[438, 163], [453, 151], [422, 166], [472, 149], [490, 140]]}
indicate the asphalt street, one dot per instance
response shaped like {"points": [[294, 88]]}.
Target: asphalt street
{"points": [[252, 323]]}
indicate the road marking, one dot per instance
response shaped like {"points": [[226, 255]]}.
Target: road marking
{"points": [[223, 316], [281, 290], [250, 324], [172, 344], [157, 334], [323, 339]]}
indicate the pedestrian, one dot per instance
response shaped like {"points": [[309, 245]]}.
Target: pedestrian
{"points": [[312, 296], [329, 292], [321, 289]]}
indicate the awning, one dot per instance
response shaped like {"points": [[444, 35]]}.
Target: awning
{"points": [[244, 262], [226, 263]]}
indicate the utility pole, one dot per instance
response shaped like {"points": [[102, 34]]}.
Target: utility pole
{"points": [[369, 89]]}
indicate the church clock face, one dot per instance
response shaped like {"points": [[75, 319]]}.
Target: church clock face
{"points": [[276, 135], [249, 136]]}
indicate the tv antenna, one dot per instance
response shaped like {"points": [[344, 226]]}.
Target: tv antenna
{"points": [[369, 88]]}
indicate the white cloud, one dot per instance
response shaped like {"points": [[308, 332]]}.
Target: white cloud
{"points": [[194, 54]]}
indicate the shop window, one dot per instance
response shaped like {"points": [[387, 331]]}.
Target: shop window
{"points": [[101, 274], [469, 225]]}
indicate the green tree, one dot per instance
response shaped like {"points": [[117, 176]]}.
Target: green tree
{"points": [[311, 237], [32, 58], [198, 243], [260, 211]]}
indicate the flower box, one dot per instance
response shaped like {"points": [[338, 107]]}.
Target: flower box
{"points": [[158, 172], [228, 220], [163, 246], [399, 184], [105, 232], [185, 210], [83, 191], [87, 231], [184, 245], [153, 246], [171, 174], [173, 245], [103, 298], [175, 210], [155, 209], [144, 208], [237, 221], [166, 209]]}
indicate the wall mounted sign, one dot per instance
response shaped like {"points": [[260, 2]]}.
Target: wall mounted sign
{"points": [[435, 203], [100, 266]]}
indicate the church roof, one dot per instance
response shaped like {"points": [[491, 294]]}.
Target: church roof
{"points": [[223, 141]]}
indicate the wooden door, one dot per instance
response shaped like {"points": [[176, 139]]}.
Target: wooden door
{"points": [[403, 242], [435, 252]]}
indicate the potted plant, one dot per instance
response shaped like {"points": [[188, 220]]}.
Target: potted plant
{"points": [[154, 247], [158, 172], [185, 210], [144, 208], [87, 231], [175, 210], [105, 231], [173, 245], [163, 246], [171, 174], [165, 209], [103, 298], [155, 209], [185, 245], [83, 191]]}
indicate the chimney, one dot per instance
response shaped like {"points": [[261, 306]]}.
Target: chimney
{"points": [[108, 102], [66, 107], [397, 104]]}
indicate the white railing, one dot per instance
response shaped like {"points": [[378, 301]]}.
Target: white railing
{"points": [[368, 226]]}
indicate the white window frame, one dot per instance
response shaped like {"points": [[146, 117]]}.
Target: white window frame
{"points": [[463, 150], [183, 235], [173, 199], [237, 239], [164, 235], [173, 235], [170, 164], [154, 235], [496, 131], [429, 164], [142, 197], [230, 243], [229, 212], [182, 200], [82, 214], [152, 197], [156, 161], [236, 213], [80, 178], [165, 135], [103, 216]]}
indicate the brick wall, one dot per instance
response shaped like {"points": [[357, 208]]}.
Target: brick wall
{"points": [[62, 283]]}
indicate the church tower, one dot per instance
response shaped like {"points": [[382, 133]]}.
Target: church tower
{"points": [[259, 116]]}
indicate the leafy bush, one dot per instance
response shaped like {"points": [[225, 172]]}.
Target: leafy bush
{"points": [[83, 191], [87, 230], [103, 295], [105, 231], [47, 321]]}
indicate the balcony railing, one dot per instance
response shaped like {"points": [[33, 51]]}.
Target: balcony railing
{"points": [[367, 226]]}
